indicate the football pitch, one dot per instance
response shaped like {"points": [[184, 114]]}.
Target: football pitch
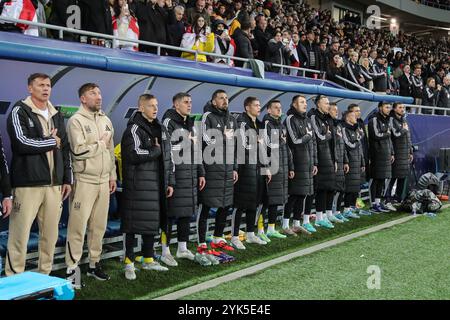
{"points": [[407, 261]]}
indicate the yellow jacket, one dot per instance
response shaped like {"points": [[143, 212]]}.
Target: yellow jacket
{"points": [[234, 25], [205, 44]]}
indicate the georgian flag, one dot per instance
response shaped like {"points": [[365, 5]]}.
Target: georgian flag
{"points": [[24, 10], [293, 48], [132, 33]]}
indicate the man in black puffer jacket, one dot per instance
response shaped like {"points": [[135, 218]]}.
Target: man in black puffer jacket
{"points": [[250, 188], [5, 183], [342, 166], [221, 168], [355, 156], [148, 178], [275, 138], [364, 139], [325, 181], [401, 141], [381, 154], [301, 141], [189, 175]]}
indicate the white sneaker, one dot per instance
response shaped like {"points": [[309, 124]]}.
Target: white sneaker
{"points": [[390, 207], [256, 240], [155, 266], [236, 243], [169, 260], [185, 255], [130, 273]]}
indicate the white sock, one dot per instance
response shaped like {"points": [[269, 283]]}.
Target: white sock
{"points": [[305, 218], [182, 246], [329, 213], [92, 265], [250, 235], [260, 231], [271, 228], [319, 216], [296, 223], [218, 239], [346, 209], [285, 223], [377, 201], [165, 250]]}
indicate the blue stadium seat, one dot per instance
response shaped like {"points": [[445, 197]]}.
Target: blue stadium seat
{"points": [[113, 228], [33, 242]]}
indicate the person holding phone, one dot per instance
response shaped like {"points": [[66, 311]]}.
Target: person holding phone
{"points": [[198, 38]]}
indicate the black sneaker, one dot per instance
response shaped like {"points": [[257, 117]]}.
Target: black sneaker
{"points": [[97, 273], [74, 277]]}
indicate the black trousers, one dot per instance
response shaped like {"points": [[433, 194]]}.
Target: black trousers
{"points": [[398, 191], [182, 229], [272, 211], [250, 220], [350, 199], [376, 189], [221, 219], [147, 246], [296, 203], [324, 200], [339, 201]]}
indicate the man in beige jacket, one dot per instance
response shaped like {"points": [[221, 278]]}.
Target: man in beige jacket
{"points": [[90, 135]]}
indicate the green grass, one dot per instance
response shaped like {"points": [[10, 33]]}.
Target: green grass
{"points": [[414, 259], [153, 284]]}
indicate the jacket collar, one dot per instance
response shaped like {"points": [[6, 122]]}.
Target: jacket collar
{"points": [[295, 113], [88, 114], [51, 109]]}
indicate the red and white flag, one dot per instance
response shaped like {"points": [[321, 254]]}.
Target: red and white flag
{"points": [[24, 10], [132, 32]]}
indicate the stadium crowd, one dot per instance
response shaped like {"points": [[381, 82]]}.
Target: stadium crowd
{"points": [[276, 32]]}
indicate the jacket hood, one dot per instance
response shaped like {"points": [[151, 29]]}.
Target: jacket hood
{"points": [[271, 119], [244, 117], [138, 119], [294, 112], [173, 115], [395, 116], [210, 108]]}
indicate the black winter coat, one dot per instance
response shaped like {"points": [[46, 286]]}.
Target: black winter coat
{"points": [[147, 172], [5, 184], [380, 147], [340, 155], [405, 86], [301, 141], [96, 16], [364, 141], [277, 53], [401, 141], [249, 188], [275, 138], [29, 163], [429, 98], [185, 196], [355, 156], [262, 39], [219, 189], [323, 131], [152, 21], [243, 46]]}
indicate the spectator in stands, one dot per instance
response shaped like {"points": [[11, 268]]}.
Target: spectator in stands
{"points": [[379, 75], [365, 71], [443, 100], [439, 77], [152, 18], [175, 29], [393, 86], [354, 72], [332, 51], [124, 26], [96, 16], [336, 68], [148, 180], [220, 13], [95, 179], [262, 37], [278, 52], [20, 9], [312, 50], [41, 175], [430, 95], [5, 184], [223, 44], [59, 17], [242, 38], [406, 82], [417, 85], [199, 38], [323, 58], [302, 54], [199, 9]]}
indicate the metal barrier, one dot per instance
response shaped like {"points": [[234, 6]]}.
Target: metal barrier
{"points": [[158, 46]]}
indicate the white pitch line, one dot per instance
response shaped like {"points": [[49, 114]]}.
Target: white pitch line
{"points": [[259, 267]]}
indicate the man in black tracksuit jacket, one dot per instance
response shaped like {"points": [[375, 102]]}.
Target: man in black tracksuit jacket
{"points": [[148, 179], [5, 184], [324, 182], [401, 141], [363, 139], [221, 168], [189, 174], [381, 154]]}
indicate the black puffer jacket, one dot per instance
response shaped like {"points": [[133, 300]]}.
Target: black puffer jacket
{"points": [[401, 141], [361, 129], [380, 147], [304, 152], [147, 172], [218, 192], [323, 131], [5, 184], [277, 189], [355, 156], [248, 190], [184, 199], [340, 155]]}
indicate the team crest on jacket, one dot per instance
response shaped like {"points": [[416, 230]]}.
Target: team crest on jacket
{"points": [[87, 129], [77, 206], [107, 128]]}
